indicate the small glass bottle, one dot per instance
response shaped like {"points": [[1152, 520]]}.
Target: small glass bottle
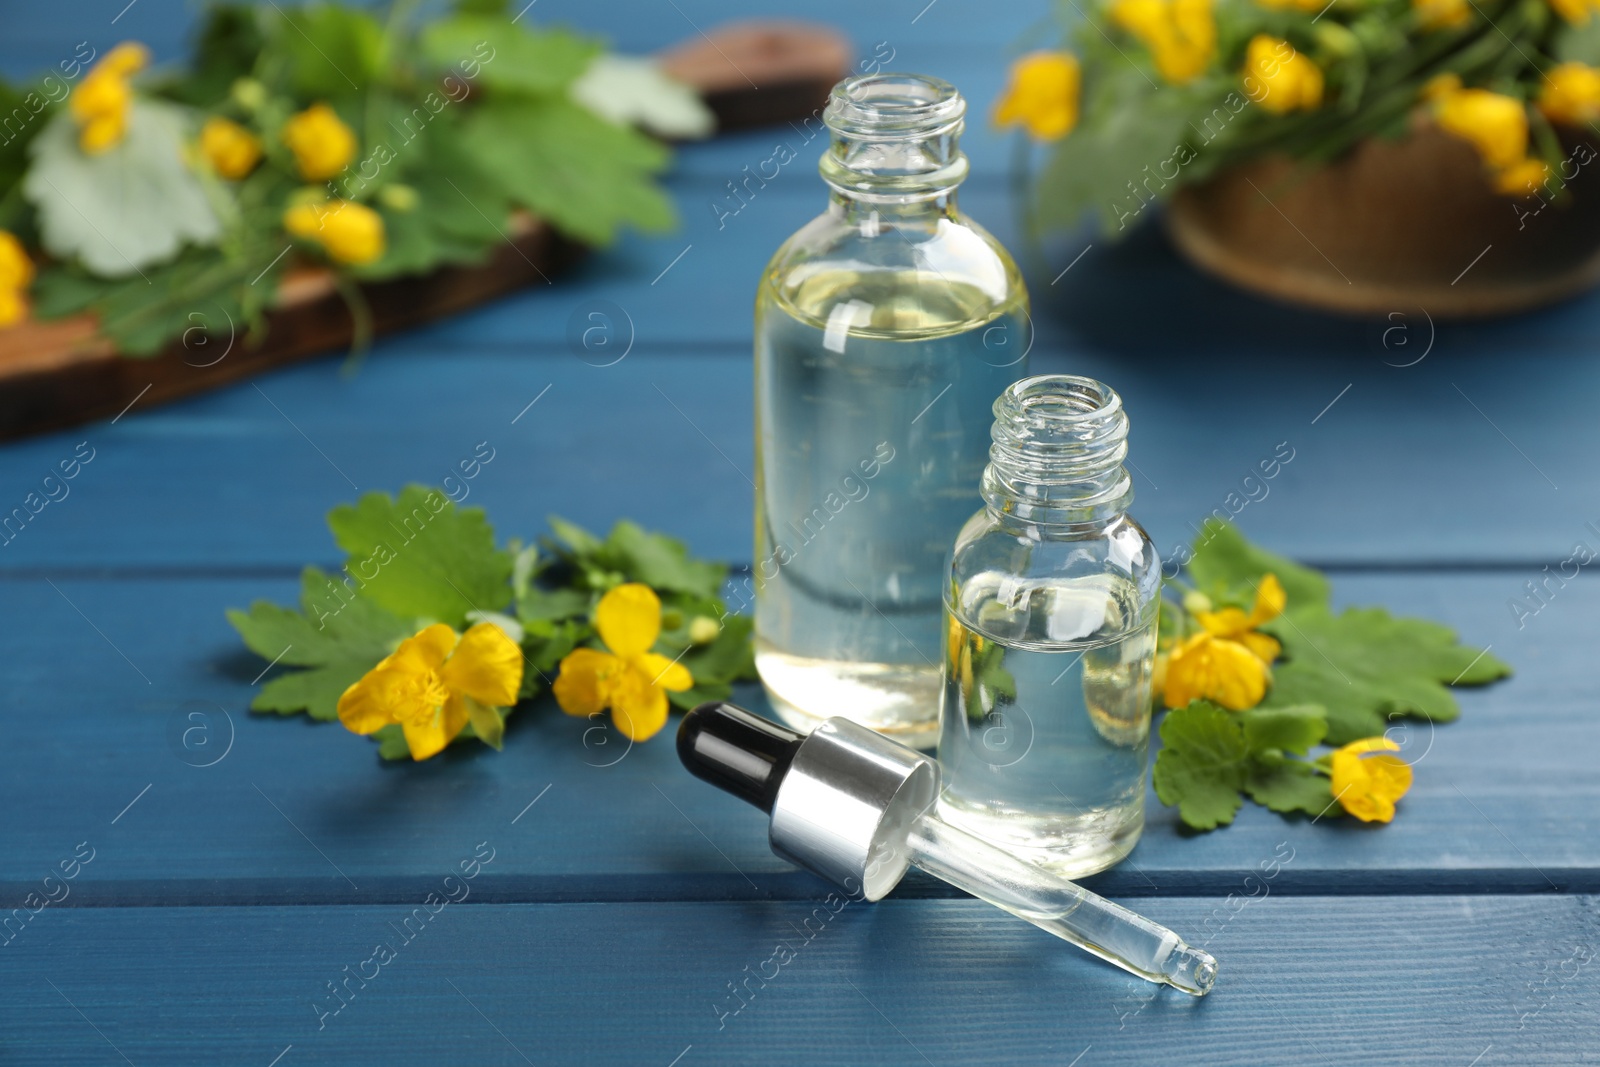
{"points": [[884, 328], [1051, 607]]}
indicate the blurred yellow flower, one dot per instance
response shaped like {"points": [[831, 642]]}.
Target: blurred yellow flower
{"points": [[100, 102], [1307, 6], [1496, 125], [1571, 94], [434, 684], [629, 679], [1292, 81], [1443, 14], [1440, 86], [1367, 780], [1575, 11], [233, 150], [349, 232], [1042, 95], [322, 144], [1522, 178], [16, 269], [1181, 34], [16, 274]]}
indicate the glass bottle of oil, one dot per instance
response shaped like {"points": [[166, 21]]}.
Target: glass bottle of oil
{"points": [[1051, 607], [884, 328]]}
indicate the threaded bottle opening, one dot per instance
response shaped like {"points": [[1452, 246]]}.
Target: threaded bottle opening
{"points": [[894, 137], [894, 107], [1058, 451]]}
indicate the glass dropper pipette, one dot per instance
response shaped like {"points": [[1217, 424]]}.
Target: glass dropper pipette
{"points": [[858, 809]]}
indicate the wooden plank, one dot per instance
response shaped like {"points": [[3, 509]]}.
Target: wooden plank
{"points": [[1505, 800], [1445, 461], [1420, 980]]}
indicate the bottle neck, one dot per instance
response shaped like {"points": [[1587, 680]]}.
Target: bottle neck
{"points": [[1058, 451], [893, 150]]}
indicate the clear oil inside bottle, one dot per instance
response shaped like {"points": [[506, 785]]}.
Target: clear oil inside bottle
{"points": [[884, 330]]}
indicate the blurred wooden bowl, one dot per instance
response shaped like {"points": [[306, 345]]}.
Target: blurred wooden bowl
{"points": [[1396, 224]]}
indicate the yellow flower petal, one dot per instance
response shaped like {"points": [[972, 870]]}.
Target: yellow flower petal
{"points": [[322, 144], [1270, 600], [1292, 81], [629, 619], [429, 646], [1180, 34], [1265, 647], [399, 690], [127, 58], [232, 150], [663, 672], [1496, 125], [486, 666], [1042, 95], [427, 736], [16, 269], [1367, 779], [1522, 178], [1210, 668], [1442, 14], [638, 708], [583, 687], [1229, 622], [1571, 94]]}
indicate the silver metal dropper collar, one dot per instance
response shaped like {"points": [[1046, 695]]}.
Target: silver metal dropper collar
{"points": [[846, 805]]}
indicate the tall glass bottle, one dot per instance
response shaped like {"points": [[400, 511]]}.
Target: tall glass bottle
{"points": [[884, 328], [1052, 600]]}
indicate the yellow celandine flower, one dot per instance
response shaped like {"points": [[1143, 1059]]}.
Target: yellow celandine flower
{"points": [[1227, 662], [1367, 780], [1494, 124], [349, 232], [232, 150], [100, 102], [1292, 81], [322, 144], [1575, 11], [16, 274], [1042, 95], [1443, 14], [1497, 127], [1181, 34], [1571, 94], [1522, 178], [629, 679], [434, 684]]}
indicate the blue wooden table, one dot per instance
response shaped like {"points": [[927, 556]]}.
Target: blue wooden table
{"points": [[619, 909]]}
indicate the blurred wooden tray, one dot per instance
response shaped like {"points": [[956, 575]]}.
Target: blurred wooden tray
{"points": [[60, 373]]}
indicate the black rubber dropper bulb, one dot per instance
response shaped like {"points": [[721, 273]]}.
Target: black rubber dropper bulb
{"points": [[737, 751]]}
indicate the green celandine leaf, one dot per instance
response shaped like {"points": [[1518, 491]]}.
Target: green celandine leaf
{"points": [[587, 176], [125, 209], [337, 636], [632, 554], [512, 58], [330, 51], [1227, 566], [419, 555], [1364, 666], [1211, 756], [1368, 668], [416, 558]]}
